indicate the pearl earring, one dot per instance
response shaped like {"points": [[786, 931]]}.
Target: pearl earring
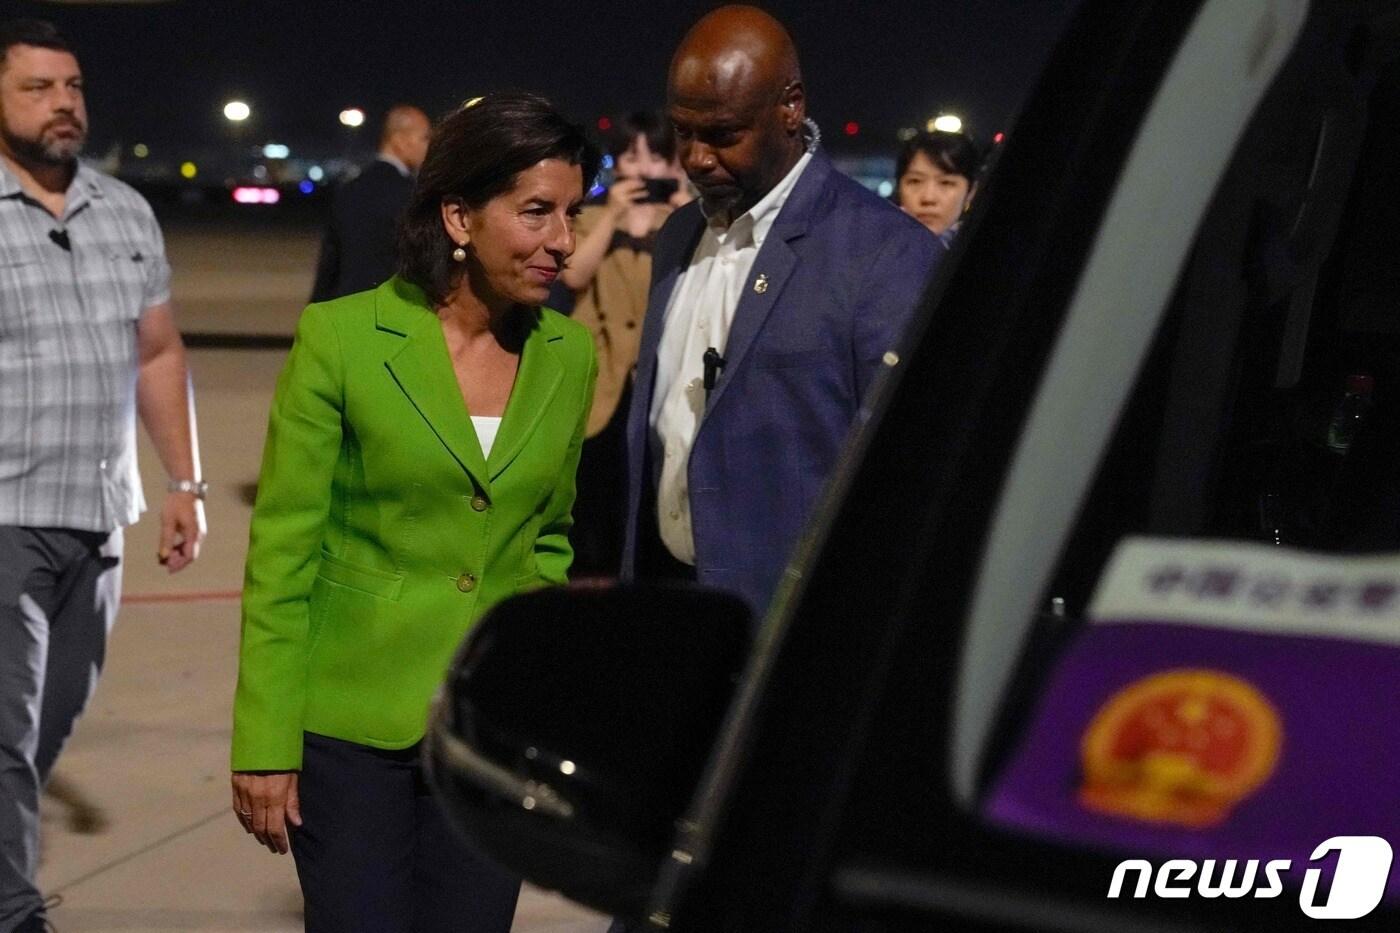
{"points": [[459, 255]]}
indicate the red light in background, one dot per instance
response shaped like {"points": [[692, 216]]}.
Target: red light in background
{"points": [[998, 138], [604, 124], [852, 128]]}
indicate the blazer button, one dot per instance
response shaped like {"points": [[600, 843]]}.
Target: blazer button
{"points": [[466, 583], [479, 503]]}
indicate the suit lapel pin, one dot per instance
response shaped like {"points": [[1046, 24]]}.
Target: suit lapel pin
{"points": [[760, 284]]}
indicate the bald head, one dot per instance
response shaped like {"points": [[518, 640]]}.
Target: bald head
{"points": [[737, 51], [736, 97], [405, 135]]}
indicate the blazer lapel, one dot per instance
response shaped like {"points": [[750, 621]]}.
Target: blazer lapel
{"points": [[773, 266], [536, 383], [774, 262], [422, 368]]}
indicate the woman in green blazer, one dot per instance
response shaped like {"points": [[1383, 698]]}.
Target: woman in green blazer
{"points": [[419, 467]]}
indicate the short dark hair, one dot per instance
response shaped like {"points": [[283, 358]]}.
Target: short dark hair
{"points": [[477, 153], [653, 126], [36, 32], [955, 153]]}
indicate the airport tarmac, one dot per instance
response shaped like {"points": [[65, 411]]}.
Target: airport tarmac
{"points": [[161, 851]]}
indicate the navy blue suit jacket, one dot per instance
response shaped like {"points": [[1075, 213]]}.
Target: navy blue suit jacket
{"points": [[845, 271]]}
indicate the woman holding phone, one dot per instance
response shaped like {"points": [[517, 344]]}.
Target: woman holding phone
{"points": [[609, 275]]}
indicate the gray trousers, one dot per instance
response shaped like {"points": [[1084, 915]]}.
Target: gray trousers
{"points": [[59, 592]]}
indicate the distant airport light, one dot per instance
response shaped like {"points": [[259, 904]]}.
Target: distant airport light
{"points": [[315, 173], [604, 124], [276, 151], [906, 133], [352, 116], [236, 111], [945, 123], [607, 161], [189, 170], [140, 150], [886, 188], [852, 128], [307, 186], [998, 138], [247, 194]]}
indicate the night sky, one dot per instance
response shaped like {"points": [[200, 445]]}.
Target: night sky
{"points": [[160, 73]]}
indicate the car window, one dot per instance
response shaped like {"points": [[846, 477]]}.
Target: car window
{"points": [[1219, 629], [1178, 157]]}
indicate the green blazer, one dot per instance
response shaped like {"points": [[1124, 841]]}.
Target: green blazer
{"points": [[381, 533]]}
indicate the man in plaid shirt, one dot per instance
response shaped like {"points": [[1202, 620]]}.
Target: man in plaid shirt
{"points": [[87, 341]]}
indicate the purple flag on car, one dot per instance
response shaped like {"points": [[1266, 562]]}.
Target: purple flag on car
{"points": [[1226, 701]]}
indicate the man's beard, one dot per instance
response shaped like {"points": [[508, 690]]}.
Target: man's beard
{"points": [[55, 151]]}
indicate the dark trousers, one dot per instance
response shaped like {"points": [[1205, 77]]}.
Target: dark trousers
{"points": [[375, 854], [59, 592], [600, 508]]}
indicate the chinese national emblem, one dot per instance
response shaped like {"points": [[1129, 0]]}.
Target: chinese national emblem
{"points": [[1181, 747]]}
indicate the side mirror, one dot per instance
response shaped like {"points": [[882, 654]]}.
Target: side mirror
{"points": [[574, 727]]}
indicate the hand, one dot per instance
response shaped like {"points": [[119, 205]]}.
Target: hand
{"points": [[682, 197], [265, 803], [684, 194], [624, 193], [182, 530]]}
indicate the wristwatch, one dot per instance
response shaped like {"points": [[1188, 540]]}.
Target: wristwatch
{"points": [[197, 486]]}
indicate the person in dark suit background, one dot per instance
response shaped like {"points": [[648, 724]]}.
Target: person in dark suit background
{"points": [[792, 280], [358, 248]]}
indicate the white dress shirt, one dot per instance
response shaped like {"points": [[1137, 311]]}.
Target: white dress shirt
{"points": [[698, 317]]}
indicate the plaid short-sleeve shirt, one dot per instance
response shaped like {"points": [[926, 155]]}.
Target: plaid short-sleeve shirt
{"points": [[72, 290]]}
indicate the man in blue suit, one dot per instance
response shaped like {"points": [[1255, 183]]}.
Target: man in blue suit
{"points": [[774, 301]]}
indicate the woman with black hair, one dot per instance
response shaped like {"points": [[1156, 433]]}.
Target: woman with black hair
{"points": [[936, 177], [419, 468], [609, 275]]}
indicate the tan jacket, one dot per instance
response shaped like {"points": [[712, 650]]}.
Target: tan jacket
{"points": [[612, 307]]}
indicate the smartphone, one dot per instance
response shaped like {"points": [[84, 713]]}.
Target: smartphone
{"points": [[659, 190]]}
